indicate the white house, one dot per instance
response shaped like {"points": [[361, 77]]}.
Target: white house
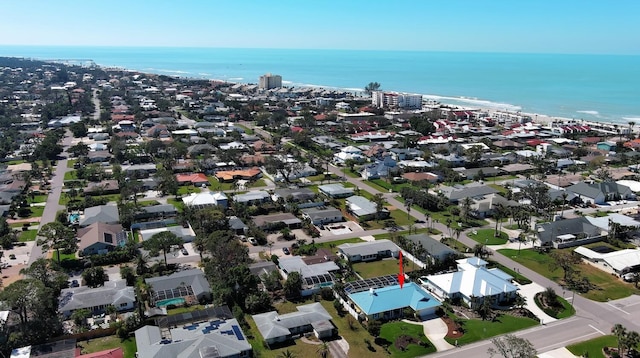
{"points": [[472, 283]]}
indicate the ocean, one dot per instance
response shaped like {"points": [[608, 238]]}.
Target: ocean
{"points": [[589, 87]]}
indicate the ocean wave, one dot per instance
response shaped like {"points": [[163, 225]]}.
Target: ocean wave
{"points": [[631, 118], [236, 78], [476, 101], [593, 113], [204, 74], [172, 71]]}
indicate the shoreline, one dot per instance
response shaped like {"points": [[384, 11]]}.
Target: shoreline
{"points": [[462, 102]]}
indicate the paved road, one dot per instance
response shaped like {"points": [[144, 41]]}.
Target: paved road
{"points": [[52, 207], [592, 319]]}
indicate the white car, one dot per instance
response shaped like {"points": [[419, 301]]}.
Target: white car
{"points": [[253, 241], [629, 277]]}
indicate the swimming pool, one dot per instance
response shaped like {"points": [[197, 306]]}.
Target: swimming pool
{"points": [[171, 301], [74, 218]]}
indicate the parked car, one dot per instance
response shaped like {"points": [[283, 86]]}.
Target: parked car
{"points": [[418, 221], [286, 251], [74, 283], [253, 241], [629, 277], [184, 251]]}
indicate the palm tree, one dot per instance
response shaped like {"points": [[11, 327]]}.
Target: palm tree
{"points": [[619, 331], [323, 350], [631, 125], [287, 354], [630, 341], [498, 215], [457, 231], [378, 199]]}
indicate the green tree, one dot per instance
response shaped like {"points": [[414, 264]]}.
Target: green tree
{"points": [[510, 346], [287, 354], [80, 316], [293, 285], [565, 261], [378, 199], [55, 235], [629, 342], [94, 276], [128, 274], [620, 332], [323, 350], [167, 182], [372, 87], [79, 150], [48, 273], [373, 327], [162, 242], [79, 129]]}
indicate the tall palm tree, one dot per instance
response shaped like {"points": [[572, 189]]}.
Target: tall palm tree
{"points": [[631, 125], [619, 331]]}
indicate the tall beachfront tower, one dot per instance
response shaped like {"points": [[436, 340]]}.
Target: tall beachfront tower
{"points": [[396, 100], [270, 81]]}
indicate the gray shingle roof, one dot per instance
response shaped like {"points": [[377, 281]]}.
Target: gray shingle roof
{"points": [[272, 325], [194, 278]]}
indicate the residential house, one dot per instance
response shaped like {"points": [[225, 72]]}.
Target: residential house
{"points": [[390, 302], [434, 249], [161, 211], [185, 233], [196, 179], [139, 170], [100, 238], [418, 176], [195, 335], [621, 261], [484, 206], [379, 169], [96, 300], [364, 209], [335, 191], [457, 192], [278, 219], [107, 214], [323, 215], [253, 197], [101, 156], [314, 276], [206, 199], [473, 282], [182, 284], [600, 193], [368, 251], [237, 225], [348, 153], [293, 194], [102, 188], [568, 232], [245, 174], [275, 327]]}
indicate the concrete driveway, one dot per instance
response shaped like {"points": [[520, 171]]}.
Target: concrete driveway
{"points": [[435, 329], [529, 291]]}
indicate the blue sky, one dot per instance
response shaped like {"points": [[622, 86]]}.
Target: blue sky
{"points": [[540, 26]]}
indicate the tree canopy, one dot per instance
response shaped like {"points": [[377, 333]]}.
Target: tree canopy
{"points": [[55, 235], [163, 242]]}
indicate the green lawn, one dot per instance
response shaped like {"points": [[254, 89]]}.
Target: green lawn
{"points": [[401, 217], [487, 237], [478, 330], [63, 256], [391, 331], [566, 311], [333, 244], [385, 185], [246, 129], [145, 203], [499, 188], [71, 162], [15, 161], [29, 235], [36, 211], [70, 175], [351, 174], [220, 186], [608, 286], [593, 347], [104, 343], [179, 310], [187, 189], [176, 202], [37, 199], [258, 183], [380, 268]]}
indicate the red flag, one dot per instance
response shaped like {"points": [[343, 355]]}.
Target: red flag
{"points": [[401, 275]]}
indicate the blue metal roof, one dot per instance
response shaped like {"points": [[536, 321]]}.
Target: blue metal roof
{"points": [[392, 297]]}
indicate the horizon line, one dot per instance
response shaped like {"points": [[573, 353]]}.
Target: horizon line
{"points": [[320, 49]]}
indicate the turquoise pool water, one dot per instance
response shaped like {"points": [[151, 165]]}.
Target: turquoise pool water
{"points": [[171, 301], [74, 218]]}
